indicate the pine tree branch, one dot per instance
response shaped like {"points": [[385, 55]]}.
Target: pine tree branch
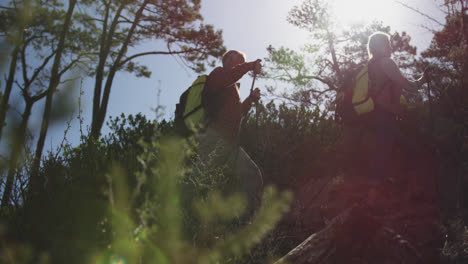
{"points": [[41, 67], [23, 61], [322, 80], [157, 53], [420, 12], [23, 57], [69, 66], [39, 96]]}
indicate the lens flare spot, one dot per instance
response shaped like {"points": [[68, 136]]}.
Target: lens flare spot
{"points": [[117, 260]]}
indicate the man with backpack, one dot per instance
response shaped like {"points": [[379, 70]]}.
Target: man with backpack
{"points": [[386, 85], [224, 111]]}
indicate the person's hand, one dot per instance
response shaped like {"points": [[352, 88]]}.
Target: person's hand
{"points": [[255, 95], [257, 68], [425, 78], [426, 75]]}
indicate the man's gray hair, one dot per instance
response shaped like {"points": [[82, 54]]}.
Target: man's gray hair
{"points": [[376, 41], [232, 53]]}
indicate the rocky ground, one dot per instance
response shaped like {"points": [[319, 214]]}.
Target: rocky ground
{"points": [[334, 224]]}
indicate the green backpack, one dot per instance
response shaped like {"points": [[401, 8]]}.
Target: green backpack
{"points": [[189, 113], [354, 99]]}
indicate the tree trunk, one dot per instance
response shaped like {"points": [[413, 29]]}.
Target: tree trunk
{"points": [[8, 88], [353, 237], [105, 45], [336, 66], [53, 83], [16, 151], [98, 121]]}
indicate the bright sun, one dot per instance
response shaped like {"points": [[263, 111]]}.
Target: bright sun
{"points": [[362, 11]]}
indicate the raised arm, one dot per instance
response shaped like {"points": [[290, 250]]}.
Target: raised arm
{"points": [[391, 70], [221, 77]]}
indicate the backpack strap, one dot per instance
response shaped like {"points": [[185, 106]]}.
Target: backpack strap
{"points": [[212, 99], [193, 111]]}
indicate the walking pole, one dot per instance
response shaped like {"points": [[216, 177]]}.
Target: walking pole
{"points": [[429, 97], [256, 110], [253, 83]]}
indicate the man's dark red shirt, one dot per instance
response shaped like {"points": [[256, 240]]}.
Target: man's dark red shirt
{"points": [[222, 100]]}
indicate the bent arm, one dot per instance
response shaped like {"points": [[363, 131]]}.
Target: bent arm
{"points": [[391, 70], [222, 78], [254, 96]]}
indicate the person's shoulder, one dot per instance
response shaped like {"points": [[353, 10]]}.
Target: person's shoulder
{"points": [[215, 76], [215, 73], [387, 63], [217, 70]]}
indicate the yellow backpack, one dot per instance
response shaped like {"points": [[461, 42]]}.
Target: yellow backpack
{"points": [[354, 98], [189, 113], [362, 100]]}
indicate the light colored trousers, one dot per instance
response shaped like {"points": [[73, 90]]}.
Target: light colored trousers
{"points": [[244, 175]]}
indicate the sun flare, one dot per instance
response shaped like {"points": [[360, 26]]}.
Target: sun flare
{"points": [[347, 12]]}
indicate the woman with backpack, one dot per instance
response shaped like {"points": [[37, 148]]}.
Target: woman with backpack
{"points": [[388, 83]]}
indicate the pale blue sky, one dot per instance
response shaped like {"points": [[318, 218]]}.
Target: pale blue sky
{"points": [[249, 26]]}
